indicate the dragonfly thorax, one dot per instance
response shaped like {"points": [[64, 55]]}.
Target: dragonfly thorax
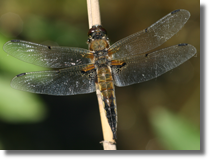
{"points": [[98, 44], [102, 58]]}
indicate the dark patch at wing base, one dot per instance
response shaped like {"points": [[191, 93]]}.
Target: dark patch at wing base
{"points": [[118, 68]]}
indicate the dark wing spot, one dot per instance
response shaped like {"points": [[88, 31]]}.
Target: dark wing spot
{"points": [[15, 40], [146, 55], [182, 44], [118, 68], [91, 74], [146, 30], [22, 74], [175, 11], [123, 65], [83, 72], [49, 47]]}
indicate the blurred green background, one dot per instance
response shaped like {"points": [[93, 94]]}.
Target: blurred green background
{"points": [[161, 114]]}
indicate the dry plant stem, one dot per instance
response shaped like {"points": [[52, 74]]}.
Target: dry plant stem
{"points": [[94, 19]]}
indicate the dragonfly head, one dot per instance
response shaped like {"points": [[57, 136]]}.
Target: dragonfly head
{"points": [[97, 32]]}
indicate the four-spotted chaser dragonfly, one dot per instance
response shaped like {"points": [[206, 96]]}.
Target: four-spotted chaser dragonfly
{"points": [[126, 62]]}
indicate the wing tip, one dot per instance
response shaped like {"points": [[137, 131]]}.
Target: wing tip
{"points": [[194, 50], [9, 43], [184, 11]]}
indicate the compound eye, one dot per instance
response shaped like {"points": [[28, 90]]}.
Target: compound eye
{"points": [[91, 31], [102, 29]]}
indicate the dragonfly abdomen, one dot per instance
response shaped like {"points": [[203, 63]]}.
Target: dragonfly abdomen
{"points": [[106, 87]]}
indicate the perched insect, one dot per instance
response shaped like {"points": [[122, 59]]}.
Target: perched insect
{"points": [[124, 63]]}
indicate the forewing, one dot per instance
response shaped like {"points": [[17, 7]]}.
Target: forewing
{"points": [[68, 81], [47, 56], [144, 67], [151, 37]]}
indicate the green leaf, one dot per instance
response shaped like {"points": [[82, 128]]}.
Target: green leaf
{"points": [[175, 132], [18, 106]]}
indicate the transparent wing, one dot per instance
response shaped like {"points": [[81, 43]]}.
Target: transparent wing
{"points": [[47, 56], [68, 81], [144, 67], [152, 37]]}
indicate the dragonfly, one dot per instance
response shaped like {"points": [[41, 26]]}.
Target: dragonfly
{"points": [[126, 62]]}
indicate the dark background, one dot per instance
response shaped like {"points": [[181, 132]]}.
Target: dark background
{"points": [[161, 114]]}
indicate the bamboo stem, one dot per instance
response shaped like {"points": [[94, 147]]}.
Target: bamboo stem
{"points": [[94, 19]]}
